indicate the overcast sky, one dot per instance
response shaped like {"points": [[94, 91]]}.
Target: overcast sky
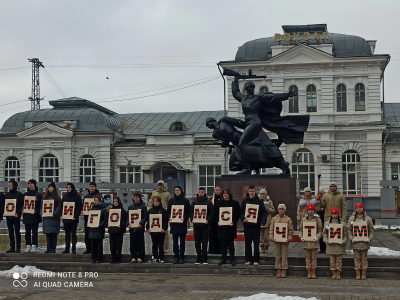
{"points": [[161, 46]]}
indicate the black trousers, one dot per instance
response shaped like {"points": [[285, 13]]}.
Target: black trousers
{"points": [[137, 248], [87, 240], [51, 241], [14, 226], [97, 249], [228, 244], [252, 235], [158, 245], [31, 228], [116, 240], [214, 246], [70, 230], [200, 235], [179, 249]]}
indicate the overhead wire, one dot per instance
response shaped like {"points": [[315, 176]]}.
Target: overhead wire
{"points": [[55, 83], [52, 84]]}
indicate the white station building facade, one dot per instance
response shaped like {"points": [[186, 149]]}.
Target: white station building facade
{"points": [[339, 82]]}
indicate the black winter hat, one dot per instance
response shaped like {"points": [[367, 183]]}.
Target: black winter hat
{"points": [[32, 181], [52, 184]]}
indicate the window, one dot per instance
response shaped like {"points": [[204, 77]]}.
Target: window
{"points": [[351, 173], [341, 97], [360, 97], [87, 169], [303, 159], [178, 126], [294, 101], [48, 169], [207, 175], [130, 175], [263, 90], [395, 171], [311, 98], [12, 169]]}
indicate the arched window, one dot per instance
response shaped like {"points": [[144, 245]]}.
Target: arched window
{"points": [[177, 126], [311, 98], [263, 90], [12, 169], [48, 169], [294, 101], [87, 169], [303, 162], [341, 97], [360, 97], [351, 173]]}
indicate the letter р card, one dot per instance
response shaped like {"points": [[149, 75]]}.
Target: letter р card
{"points": [[251, 213], [135, 216]]}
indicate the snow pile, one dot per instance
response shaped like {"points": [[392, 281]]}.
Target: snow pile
{"points": [[17, 269], [386, 227], [264, 296], [79, 245], [379, 251]]}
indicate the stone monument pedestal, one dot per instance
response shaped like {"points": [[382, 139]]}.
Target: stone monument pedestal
{"points": [[280, 188]]}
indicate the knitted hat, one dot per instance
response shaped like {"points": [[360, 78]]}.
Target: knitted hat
{"points": [[307, 189], [310, 206], [334, 210], [321, 190], [161, 182], [282, 206], [32, 181], [263, 191], [359, 204], [52, 184], [333, 183]]}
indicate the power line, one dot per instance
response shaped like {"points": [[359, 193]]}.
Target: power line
{"points": [[15, 68], [123, 57], [13, 108], [160, 65], [13, 102], [53, 83]]}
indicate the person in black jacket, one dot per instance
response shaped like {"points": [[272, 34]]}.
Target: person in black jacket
{"points": [[1, 205], [70, 226], [227, 233], [179, 230], [136, 234], [96, 235], [51, 225], [14, 222], [92, 192], [32, 220], [116, 233], [157, 238], [252, 230], [201, 230], [214, 246]]}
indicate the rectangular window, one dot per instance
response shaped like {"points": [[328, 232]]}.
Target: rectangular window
{"points": [[341, 101], [130, 175], [207, 175], [311, 102], [360, 101]]}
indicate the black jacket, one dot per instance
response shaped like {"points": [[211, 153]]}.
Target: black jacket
{"points": [[143, 217], [52, 224], [164, 222], [179, 228], [217, 198], [89, 195], [210, 210], [225, 231], [73, 196], [262, 211], [14, 194], [99, 232], [122, 226], [1, 205], [35, 218]]}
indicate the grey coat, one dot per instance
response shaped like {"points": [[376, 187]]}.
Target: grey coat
{"points": [[52, 224]]}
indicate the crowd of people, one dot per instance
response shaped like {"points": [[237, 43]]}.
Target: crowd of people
{"points": [[211, 235]]}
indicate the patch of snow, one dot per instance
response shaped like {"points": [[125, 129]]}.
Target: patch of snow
{"points": [[264, 296], [386, 227], [17, 269], [379, 251], [79, 245]]}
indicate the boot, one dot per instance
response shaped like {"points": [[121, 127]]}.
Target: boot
{"points": [[221, 262], [309, 274], [233, 262], [11, 250], [65, 251], [33, 249], [28, 249], [364, 274], [262, 249], [333, 274], [283, 275], [313, 276], [358, 274], [279, 273], [266, 249], [338, 274]]}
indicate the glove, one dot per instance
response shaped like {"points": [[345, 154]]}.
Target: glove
{"points": [[306, 215], [267, 197], [327, 227], [354, 241], [368, 241], [313, 201], [302, 239], [341, 243], [303, 202], [316, 239], [329, 243], [316, 215]]}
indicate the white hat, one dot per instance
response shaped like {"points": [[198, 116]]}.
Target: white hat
{"points": [[161, 182], [263, 191], [282, 206]]}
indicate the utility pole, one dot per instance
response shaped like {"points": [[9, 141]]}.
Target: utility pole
{"points": [[35, 95]]}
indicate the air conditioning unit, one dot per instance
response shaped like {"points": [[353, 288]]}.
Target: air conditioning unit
{"points": [[326, 157]]}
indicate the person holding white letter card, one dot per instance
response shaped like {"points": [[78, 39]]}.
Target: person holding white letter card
{"points": [[96, 234], [157, 225]]}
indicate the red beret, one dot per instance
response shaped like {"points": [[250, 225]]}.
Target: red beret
{"points": [[360, 204], [310, 206], [335, 211]]}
